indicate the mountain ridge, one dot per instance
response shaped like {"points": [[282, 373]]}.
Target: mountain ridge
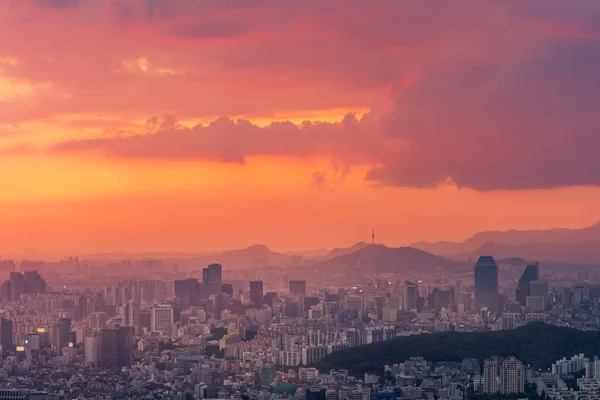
{"points": [[381, 258], [470, 246]]}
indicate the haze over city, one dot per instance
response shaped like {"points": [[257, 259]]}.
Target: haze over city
{"points": [[299, 200], [204, 125]]}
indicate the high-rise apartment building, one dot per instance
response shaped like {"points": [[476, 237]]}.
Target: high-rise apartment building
{"points": [[486, 284], [91, 343], [411, 296], [97, 320], [256, 293], [512, 376], [491, 375], [161, 319], [531, 273], [298, 287]]}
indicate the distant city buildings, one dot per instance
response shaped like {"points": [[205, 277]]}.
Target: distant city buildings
{"points": [[19, 284], [182, 331]]}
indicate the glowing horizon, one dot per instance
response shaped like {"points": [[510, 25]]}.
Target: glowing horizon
{"points": [[195, 126]]}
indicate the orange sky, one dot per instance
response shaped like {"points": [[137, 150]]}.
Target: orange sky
{"points": [[145, 125]]}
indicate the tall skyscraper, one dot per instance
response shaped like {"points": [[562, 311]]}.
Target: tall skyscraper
{"points": [[6, 334], [298, 287], [486, 284], [411, 296], [512, 376], [17, 285], [187, 291], [63, 334], [213, 274], [531, 273], [161, 319], [256, 293], [116, 346], [212, 279]]}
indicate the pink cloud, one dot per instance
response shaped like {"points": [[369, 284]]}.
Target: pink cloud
{"points": [[494, 95]]}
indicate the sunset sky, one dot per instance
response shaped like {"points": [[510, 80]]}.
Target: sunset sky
{"points": [[195, 125]]}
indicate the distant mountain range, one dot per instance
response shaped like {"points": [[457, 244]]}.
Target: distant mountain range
{"points": [[257, 255], [377, 258], [580, 246], [556, 245]]}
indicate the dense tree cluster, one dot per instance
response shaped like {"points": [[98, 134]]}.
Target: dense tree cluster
{"points": [[535, 344]]}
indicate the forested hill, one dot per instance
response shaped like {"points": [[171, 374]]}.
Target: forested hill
{"points": [[537, 344]]}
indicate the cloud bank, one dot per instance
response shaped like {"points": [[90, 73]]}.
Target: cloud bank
{"points": [[490, 94]]}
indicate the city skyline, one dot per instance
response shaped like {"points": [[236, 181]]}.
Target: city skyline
{"points": [[346, 329], [162, 125]]}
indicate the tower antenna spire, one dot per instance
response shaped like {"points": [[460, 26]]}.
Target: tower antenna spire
{"points": [[373, 237]]}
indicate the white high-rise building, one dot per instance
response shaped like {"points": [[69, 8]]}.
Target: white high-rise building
{"points": [[161, 319], [512, 376], [92, 347]]}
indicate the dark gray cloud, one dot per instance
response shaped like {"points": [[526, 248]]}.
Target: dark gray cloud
{"points": [[59, 4]]}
